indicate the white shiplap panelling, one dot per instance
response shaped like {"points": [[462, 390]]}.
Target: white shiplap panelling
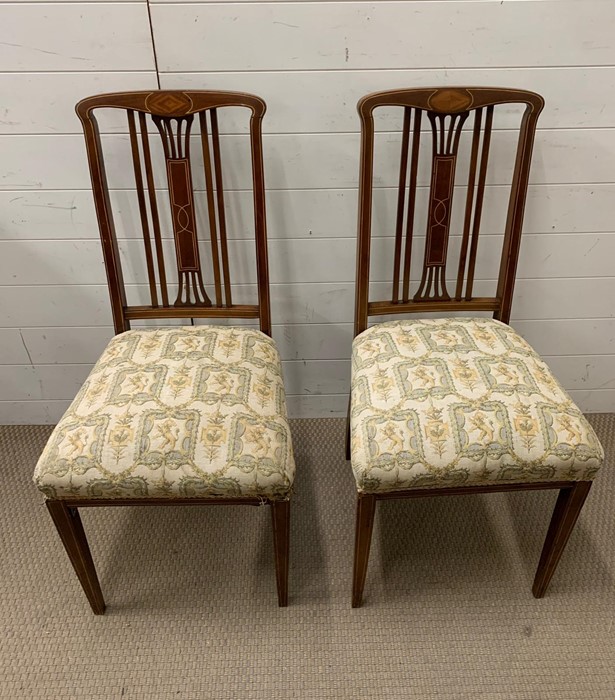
{"points": [[75, 36], [69, 214], [312, 101], [312, 161], [314, 60], [301, 260], [37, 103], [382, 35]]}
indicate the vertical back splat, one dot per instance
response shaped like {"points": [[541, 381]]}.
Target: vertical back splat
{"points": [[448, 110], [191, 291], [445, 145]]}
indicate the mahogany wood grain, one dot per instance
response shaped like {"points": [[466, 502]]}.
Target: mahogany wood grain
{"points": [[447, 110], [172, 111]]}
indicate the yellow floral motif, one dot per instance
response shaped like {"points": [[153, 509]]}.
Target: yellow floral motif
{"points": [[485, 337], [544, 377], [214, 434], [121, 436], [263, 388], [229, 344], [97, 389], [525, 425], [472, 402], [408, 340], [180, 380], [149, 345], [175, 412], [436, 430], [465, 373], [382, 384], [371, 349]]}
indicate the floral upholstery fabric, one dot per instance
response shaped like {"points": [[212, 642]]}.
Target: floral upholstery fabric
{"points": [[175, 412], [460, 401]]}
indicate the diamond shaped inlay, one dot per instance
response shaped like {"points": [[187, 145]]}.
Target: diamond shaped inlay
{"points": [[450, 100], [166, 103]]}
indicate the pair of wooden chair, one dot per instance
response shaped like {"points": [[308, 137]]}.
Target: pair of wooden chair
{"points": [[196, 414]]}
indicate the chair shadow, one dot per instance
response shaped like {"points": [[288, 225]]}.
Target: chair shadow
{"points": [[163, 557], [146, 556], [530, 514], [434, 543], [478, 541]]}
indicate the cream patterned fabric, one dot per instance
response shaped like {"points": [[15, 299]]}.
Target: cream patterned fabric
{"points": [[460, 401], [175, 412]]}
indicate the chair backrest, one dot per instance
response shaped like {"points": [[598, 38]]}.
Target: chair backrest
{"points": [[447, 111], [171, 115]]}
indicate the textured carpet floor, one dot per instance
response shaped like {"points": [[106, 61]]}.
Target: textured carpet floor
{"points": [[192, 609]]}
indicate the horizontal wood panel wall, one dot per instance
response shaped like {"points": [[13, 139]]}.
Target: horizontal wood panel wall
{"points": [[311, 61]]}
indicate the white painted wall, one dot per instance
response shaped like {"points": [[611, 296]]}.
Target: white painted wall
{"points": [[311, 61]]}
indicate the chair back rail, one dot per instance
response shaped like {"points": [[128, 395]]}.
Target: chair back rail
{"points": [[171, 113], [447, 111]]}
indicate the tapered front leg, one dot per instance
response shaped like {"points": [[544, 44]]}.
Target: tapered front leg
{"points": [[565, 515], [280, 515], [366, 508], [348, 450], [70, 529]]}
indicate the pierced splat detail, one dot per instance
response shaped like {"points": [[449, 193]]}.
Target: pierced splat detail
{"points": [[175, 141], [447, 108], [175, 113], [445, 146]]}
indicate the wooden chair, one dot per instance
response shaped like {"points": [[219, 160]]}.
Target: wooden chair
{"points": [[447, 406], [175, 415]]}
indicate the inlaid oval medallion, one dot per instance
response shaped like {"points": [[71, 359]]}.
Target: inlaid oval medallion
{"points": [[450, 100]]}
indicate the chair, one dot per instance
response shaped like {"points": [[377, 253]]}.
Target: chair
{"points": [[456, 405], [175, 415]]}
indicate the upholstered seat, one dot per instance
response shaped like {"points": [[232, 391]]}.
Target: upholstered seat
{"points": [[461, 401], [175, 412]]}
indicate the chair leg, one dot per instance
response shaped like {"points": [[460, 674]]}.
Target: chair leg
{"points": [[366, 508], [348, 454], [70, 529], [280, 516], [567, 510]]}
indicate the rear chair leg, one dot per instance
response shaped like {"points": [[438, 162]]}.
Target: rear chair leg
{"points": [[70, 529], [348, 451], [567, 509], [366, 508], [280, 516]]}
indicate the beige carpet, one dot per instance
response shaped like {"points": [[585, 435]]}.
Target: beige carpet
{"points": [[192, 610]]}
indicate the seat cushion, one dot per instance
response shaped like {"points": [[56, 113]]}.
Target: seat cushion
{"points": [[461, 401], [175, 412]]}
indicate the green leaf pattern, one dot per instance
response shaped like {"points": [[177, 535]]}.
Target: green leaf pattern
{"points": [[461, 401], [175, 412]]}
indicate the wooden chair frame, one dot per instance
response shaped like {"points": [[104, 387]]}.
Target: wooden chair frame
{"points": [[432, 295], [169, 109]]}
